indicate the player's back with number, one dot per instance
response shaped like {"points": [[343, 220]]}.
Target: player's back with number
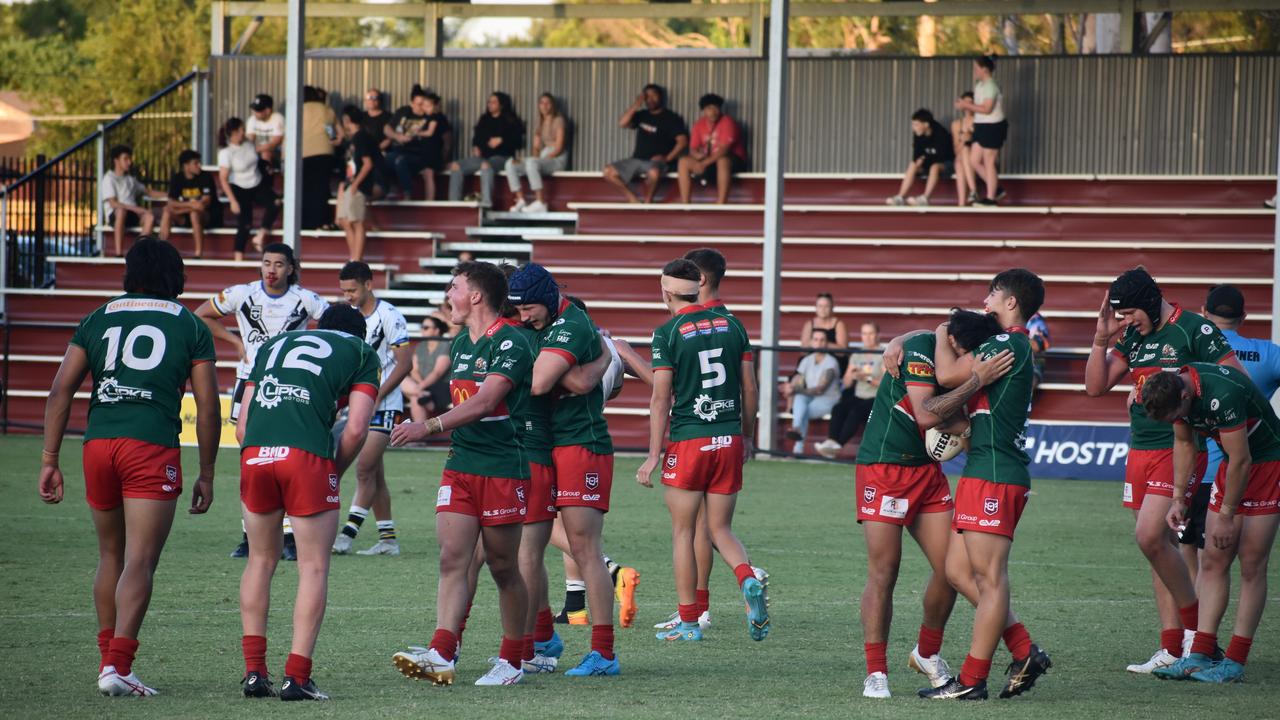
{"points": [[705, 350]]}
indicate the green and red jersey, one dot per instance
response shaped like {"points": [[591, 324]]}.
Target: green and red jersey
{"points": [[892, 435], [998, 414], [299, 380], [491, 446], [703, 349], [576, 420], [533, 421], [141, 350], [1184, 338], [1228, 400]]}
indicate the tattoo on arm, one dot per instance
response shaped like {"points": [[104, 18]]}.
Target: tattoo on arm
{"points": [[945, 405]]}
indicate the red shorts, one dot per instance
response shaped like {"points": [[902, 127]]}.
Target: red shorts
{"points": [[542, 493], [989, 507], [708, 465], [1150, 472], [118, 468], [494, 500], [1261, 494], [895, 494], [274, 478], [583, 478]]}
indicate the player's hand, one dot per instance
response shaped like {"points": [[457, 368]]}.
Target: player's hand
{"points": [[51, 484], [235, 206], [893, 358], [1108, 326], [407, 432], [993, 368], [748, 449], [1225, 533], [645, 473], [202, 495], [1176, 518]]}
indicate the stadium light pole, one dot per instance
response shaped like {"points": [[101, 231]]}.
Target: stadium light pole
{"points": [[295, 70], [774, 165]]}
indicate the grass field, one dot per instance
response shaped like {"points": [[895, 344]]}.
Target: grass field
{"points": [[1079, 584]]}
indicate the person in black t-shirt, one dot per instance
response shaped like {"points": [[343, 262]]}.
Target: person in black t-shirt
{"points": [[376, 119], [362, 181], [499, 133], [932, 155], [190, 196], [661, 138], [420, 134]]}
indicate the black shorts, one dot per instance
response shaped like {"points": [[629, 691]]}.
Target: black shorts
{"points": [[738, 165], [384, 421], [1196, 513], [991, 135], [948, 167], [131, 218]]}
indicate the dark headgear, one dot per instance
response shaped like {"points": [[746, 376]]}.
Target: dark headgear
{"points": [[1225, 301], [533, 285], [1137, 289]]}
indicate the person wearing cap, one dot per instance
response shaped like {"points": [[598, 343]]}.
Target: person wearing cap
{"points": [[1155, 336], [715, 149], [1261, 359], [265, 129]]}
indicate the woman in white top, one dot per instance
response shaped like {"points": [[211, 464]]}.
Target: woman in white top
{"points": [[244, 185], [813, 390], [550, 155], [989, 128]]}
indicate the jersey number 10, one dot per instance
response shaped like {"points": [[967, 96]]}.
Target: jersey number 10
{"points": [[131, 359]]}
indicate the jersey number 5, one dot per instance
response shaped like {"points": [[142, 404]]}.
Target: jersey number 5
{"points": [[715, 369], [307, 347], [131, 359]]}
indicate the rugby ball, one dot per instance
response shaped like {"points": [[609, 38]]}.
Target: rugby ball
{"points": [[615, 374], [942, 446]]}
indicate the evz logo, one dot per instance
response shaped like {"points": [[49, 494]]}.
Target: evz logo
{"points": [[991, 506], [592, 480], [868, 494]]}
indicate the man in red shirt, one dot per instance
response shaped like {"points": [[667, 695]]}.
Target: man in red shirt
{"points": [[716, 144]]}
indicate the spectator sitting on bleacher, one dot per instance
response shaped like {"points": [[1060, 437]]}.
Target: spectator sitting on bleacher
{"points": [[360, 183], [122, 194], [824, 319], [961, 141], [427, 387], [661, 137], [191, 194], [861, 381], [813, 390], [418, 131], [376, 119], [550, 155], [932, 155], [244, 185], [990, 129], [498, 134], [265, 129], [1038, 333], [716, 144]]}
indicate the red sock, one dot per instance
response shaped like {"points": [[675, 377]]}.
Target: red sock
{"points": [[688, 613], [511, 651], [930, 641], [1205, 643], [602, 640], [463, 626], [1018, 640], [255, 654], [121, 652], [527, 654], [298, 667], [544, 627], [704, 601], [445, 643], [877, 661], [1190, 615], [1238, 649], [743, 573], [104, 646], [1171, 641], [974, 671]]}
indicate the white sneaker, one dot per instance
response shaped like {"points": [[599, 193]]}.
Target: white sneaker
{"points": [[536, 207], [828, 448], [876, 686], [672, 622], [383, 547], [918, 201], [113, 684], [1162, 658], [424, 664], [502, 673], [932, 667], [342, 544], [1188, 637], [520, 206], [540, 664], [895, 200]]}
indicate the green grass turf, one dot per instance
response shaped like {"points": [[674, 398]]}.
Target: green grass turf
{"points": [[1079, 584]]}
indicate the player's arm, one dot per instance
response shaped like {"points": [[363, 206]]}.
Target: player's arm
{"points": [[635, 364], [492, 392], [1235, 443], [939, 408], [57, 409], [952, 370], [582, 379], [360, 404], [1184, 462], [204, 388], [659, 415], [1104, 368], [750, 407], [403, 355], [550, 366], [892, 355], [246, 404], [212, 317]]}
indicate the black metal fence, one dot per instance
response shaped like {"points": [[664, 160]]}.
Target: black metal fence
{"points": [[50, 207]]}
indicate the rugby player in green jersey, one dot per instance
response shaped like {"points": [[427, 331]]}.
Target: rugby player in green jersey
{"points": [[141, 349], [1244, 508]]}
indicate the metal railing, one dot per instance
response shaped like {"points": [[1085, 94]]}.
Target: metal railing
{"points": [[56, 208]]}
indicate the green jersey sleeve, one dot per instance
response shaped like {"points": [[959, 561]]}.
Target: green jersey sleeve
{"points": [[511, 359], [1208, 344], [574, 341], [661, 347], [918, 367], [370, 370]]}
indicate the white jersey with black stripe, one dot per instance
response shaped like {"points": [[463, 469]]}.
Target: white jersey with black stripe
{"points": [[262, 316], [386, 330]]}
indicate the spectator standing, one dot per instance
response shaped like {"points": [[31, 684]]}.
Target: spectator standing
{"points": [[265, 129], [320, 136], [550, 155], [244, 185], [191, 194], [122, 194], [989, 128], [427, 386], [360, 181], [813, 390], [932, 156], [716, 143], [661, 137], [861, 382], [498, 134], [961, 141]]}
